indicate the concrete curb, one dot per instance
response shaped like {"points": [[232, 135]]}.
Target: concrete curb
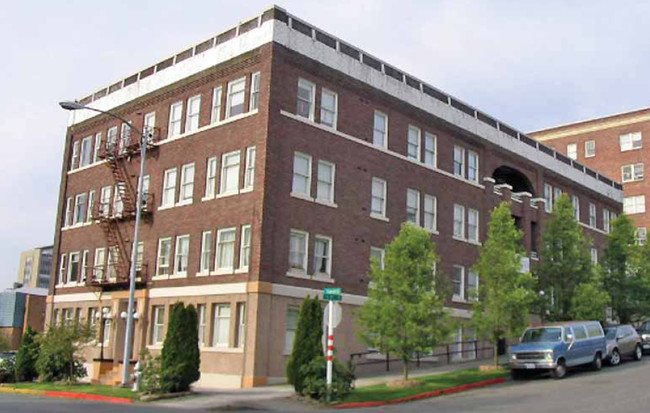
{"points": [[426, 395], [67, 395]]}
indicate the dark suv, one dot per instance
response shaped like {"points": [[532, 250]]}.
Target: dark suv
{"points": [[644, 332]]}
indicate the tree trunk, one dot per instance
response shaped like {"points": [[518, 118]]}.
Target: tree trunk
{"points": [[496, 353], [405, 368]]}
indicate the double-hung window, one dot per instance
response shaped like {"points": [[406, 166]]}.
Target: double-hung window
{"points": [[630, 141], [301, 184], [632, 172], [181, 255], [592, 215], [472, 225], [169, 187], [175, 116], [221, 326], [557, 194], [298, 251], [472, 166], [378, 198], [111, 265], [211, 178], [606, 217], [74, 161], [377, 255], [206, 252], [193, 110], [548, 198], [125, 137], [590, 149], [202, 319], [634, 204], [86, 147], [380, 130], [105, 201], [118, 203], [80, 211], [458, 283], [230, 173], [572, 151], [111, 139], [225, 250], [413, 206], [73, 267], [594, 256], [63, 275], [91, 205], [328, 108], [99, 263], [84, 266], [164, 256], [413, 146], [291, 325], [575, 201], [97, 147], [217, 95], [245, 247], [641, 235], [472, 284], [139, 256], [459, 161], [459, 221], [430, 204], [69, 212], [305, 99], [249, 173], [241, 325], [235, 98], [158, 327], [322, 256], [187, 184], [430, 149], [255, 91], [325, 182], [149, 124]]}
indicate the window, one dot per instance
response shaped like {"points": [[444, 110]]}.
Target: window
{"points": [[245, 247], [548, 198], [249, 174], [164, 256], [305, 99], [86, 153], [118, 204], [413, 206], [221, 326], [241, 325], [322, 255], [328, 108], [206, 252], [84, 266], [377, 255], [290, 328], [301, 184], [472, 284], [111, 139], [169, 187], [459, 161], [632, 173], [634, 204], [575, 201], [298, 251], [430, 149], [413, 146], [69, 211], [225, 249], [255, 91], [111, 265], [235, 98], [211, 178], [378, 198], [107, 323], [590, 149], [148, 125], [572, 151], [557, 193], [125, 137], [62, 269], [157, 334], [217, 95], [139, 256], [73, 268], [91, 205], [80, 211], [100, 259], [230, 173], [193, 110], [175, 115], [182, 252], [27, 270], [201, 312], [380, 130], [472, 166], [630, 141], [325, 181], [458, 283], [74, 161], [594, 255], [606, 217], [472, 225], [641, 235], [98, 145], [592, 215], [459, 221], [187, 183], [430, 206]]}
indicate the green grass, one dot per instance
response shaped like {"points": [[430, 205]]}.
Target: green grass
{"points": [[79, 388], [380, 392]]}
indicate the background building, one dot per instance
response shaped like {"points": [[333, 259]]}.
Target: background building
{"points": [[19, 309], [35, 267], [614, 146], [282, 160]]}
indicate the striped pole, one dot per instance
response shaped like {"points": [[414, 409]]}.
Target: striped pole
{"points": [[330, 344]]}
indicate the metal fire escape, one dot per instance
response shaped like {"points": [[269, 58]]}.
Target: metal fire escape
{"points": [[116, 216]]}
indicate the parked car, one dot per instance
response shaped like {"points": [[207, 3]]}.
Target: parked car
{"points": [[622, 341], [644, 332], [554, 348], [7, 355]]}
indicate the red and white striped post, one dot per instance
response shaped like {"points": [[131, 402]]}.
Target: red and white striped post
{"points": [[330, 344]]}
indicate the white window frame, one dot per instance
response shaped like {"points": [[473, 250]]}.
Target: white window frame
{"points": [[186, 192], [416, 193], [384, 133], [572, 151], [74, 160], [459, 160], [382, 254], [210, 178], [169, 185], [180, 256], [327, 110], [382, 213], [99, 264], [201, 310], [634, 172], [606, 220], [593, 252], [321, 182], [634, 204], [430, 214], [254, 101], [641, 235], [90, 205], [472, 273], [592, 215], [175, 119], [105, 200], [226, 170], [159, 258], [305, 260], [76, 258], [430, 149], [149, 124], [590, 148], [245, 247], [97, 147], [307, 85], [414, 143], [575, 202], [219, 267], [219, 317], [240, 320], [459, 211], [473, 235], [80, 209], [548, 197], [215, 110], [473, 170], [111, 139], [206, 252], [231, 94], [192, 117], [631, 141], [69, 212], [158, 325], [85, 157], [307, 193], [328, 256], [249, 171], [63, 269], [457, 297]]}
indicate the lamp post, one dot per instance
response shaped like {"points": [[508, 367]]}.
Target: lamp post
{"points": [[128, 339]]}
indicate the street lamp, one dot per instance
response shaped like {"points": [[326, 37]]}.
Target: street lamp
{"points": [[128, 339]]}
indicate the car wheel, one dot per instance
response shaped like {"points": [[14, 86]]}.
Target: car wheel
{"points": [[597, 364], [638, 353], [516, 374], [559, 371], [615, 358]]}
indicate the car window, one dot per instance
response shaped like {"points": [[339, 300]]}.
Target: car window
{"points": [[567, 331], [593, 330], [645, 326], [538, 335], [629, 331], [580, 333], [610, 333]]}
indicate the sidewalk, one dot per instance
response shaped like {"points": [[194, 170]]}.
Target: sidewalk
{"points": [[276, 398]]}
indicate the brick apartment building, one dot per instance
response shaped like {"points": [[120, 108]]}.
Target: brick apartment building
{"points": [[283, 159], [614, 146]]}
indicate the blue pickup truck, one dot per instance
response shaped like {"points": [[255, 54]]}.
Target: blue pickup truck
{"points": [[554, 348]]}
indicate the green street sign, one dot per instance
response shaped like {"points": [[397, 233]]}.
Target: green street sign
{"points": [[332, 294]]}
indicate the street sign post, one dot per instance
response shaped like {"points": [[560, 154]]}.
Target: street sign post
{"points": [[334, 315], [332, 294]]}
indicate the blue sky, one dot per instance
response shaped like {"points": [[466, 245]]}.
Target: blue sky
{"points": [[531, 64]]}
